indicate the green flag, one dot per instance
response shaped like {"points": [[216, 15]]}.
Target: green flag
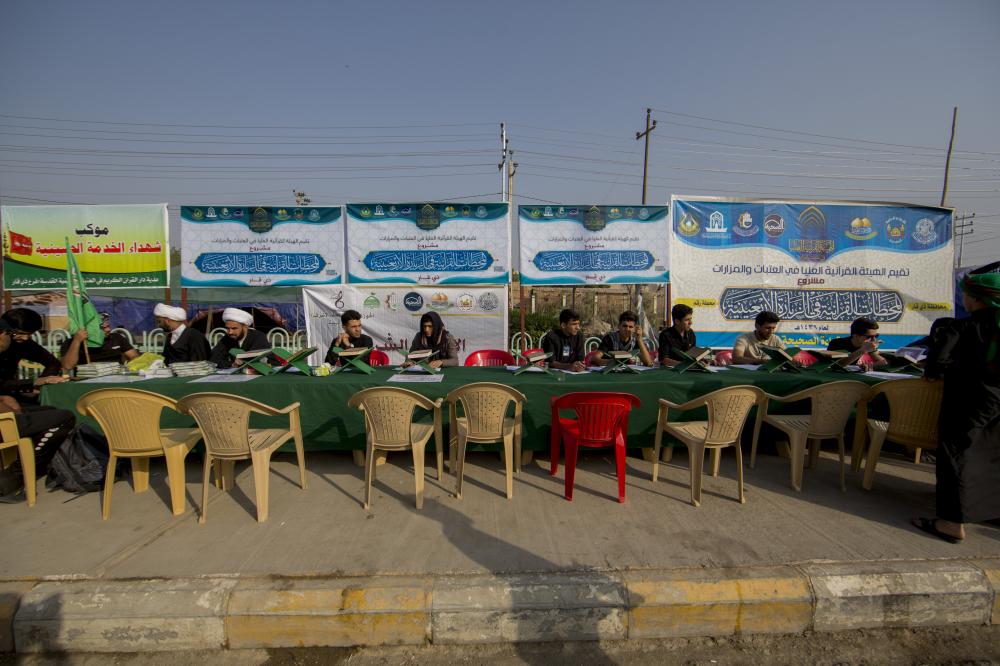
{"points": [[82, 313]]}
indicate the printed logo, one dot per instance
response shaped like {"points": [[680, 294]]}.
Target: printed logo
{"points": [[281, 215], [593, 220], [630, 213], [548, 211], [197, 214], [405, 210], [260, 221], [614, 214], [449, 211], [812, 244], [561, 211], [237, 213], [745, 225], [488, 302], [314, 215], [439, 301], [365, 212], [389, 304], [466, 211], [465, 302], [481, 212], [643, 213], [774, 225], [299, 214], [413, 301], [573, 212], [210, 213], [428, 218], [393, 212], [225, 213], [925, 233], [379, 212], [372, 302], [716, 224], [895, 230], [688, 225], [861, 229], [535, 213]]}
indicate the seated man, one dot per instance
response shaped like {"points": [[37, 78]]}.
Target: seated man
{"points": [[746, 349], [680, 336], [21, 323], [46, 426], [625, 339], [239, 334], [925, 341], [116, 347], [182, 343], [565, 343], [350, 337], [862, 340]]}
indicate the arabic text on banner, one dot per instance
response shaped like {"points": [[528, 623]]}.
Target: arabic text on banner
{"points": [[475, 316], [261, 246], [818, 265], [428, 243], [115, 246], [593, 244]]}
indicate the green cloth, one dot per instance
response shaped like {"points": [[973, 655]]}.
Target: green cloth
{"points": [[327, 423], [79, 308], [983, 284]]}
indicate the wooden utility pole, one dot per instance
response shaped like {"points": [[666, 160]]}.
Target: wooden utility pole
{"points": [[511, 170], [645, 168], [947, 163]]}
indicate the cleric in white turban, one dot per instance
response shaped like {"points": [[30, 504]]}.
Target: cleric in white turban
{"points": [[182, 343], [240, 336]]}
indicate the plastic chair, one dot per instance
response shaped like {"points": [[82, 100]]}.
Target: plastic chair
{"points": [[537, 350], [389, 426], [831, 407], [727, 414], [601, 420], [592, 357], [130, 419], [489, 357], [12, 443], [224, 422], [804, 359], [724, 356], [378, 357], [485, 421], [914, 407]]}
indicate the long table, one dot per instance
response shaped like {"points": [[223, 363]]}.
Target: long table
{"points": [[327, 422]]}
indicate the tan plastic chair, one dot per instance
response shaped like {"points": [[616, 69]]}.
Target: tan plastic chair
{"points": [[485, 421], [12, 443], [831, 407], [727, 413], [914, 407], [130, 419], [224, 421], [389, 426]]}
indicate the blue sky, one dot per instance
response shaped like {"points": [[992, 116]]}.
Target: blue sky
{"points": [[240, 102]]}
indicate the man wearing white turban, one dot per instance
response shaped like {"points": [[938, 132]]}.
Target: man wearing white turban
{"points": [[183, 343], [239, 334]]}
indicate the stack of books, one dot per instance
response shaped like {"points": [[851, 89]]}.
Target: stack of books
{"points": [[91, 370], [193, 368]]}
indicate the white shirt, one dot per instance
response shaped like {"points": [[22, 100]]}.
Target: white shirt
{"points": [[176, 333]]}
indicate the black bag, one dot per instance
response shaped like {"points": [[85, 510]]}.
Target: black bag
{"points": [[80, 463]]}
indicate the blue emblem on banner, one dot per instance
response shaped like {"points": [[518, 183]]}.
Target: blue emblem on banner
{"points": [[412, 261], [246, 263], [553, 261]]}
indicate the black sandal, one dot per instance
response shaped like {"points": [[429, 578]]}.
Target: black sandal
{"points": [[929, 525]]}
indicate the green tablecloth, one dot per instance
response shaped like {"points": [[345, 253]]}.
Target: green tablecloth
{"points": [[327, 423]]}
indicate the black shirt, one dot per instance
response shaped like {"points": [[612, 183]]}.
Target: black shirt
{"points": [[114, 347], [564, 348], [28, 350], [192, 345], [671, 339], [842, 344], [360, 341], [252, 341]]}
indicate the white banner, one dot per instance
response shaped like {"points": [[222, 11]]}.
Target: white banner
{"points": [[428, 243], [593, 244], [818, 265], [261, 246], [475, 316]]}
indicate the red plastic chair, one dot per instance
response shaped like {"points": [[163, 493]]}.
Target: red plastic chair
{"points": [[593, 356], [489, 357], [520, 361], [601, 420], [378, 357], [724, 356], [804, 358]]}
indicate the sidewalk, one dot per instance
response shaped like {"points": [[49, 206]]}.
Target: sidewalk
{"points": [[322, 571]]}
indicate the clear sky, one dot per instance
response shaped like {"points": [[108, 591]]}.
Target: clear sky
{"points": [[242, 102]]}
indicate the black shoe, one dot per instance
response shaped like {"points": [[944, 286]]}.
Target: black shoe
{"points": [[14, 498], [10, 481]]}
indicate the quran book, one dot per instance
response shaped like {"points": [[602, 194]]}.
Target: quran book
{"points": [[535, 357], [420, 354], [912, 354], [699, 353], [832, 355], [618, 355], [241, 355], [780, 354], [354, 351]]}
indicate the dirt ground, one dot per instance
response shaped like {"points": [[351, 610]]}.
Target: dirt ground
{"points": [[952, 645]]}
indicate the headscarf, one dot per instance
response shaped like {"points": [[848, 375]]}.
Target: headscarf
{"points": [[436, 338], [237, 315], [983, 284], [169, 312]]}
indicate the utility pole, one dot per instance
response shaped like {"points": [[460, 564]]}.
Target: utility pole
{"points": [[511, 170], [962, 227], [503, 162], [645, 156], [947, 163]]}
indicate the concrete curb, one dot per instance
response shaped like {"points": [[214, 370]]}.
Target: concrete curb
{"points": [[220, 612]]}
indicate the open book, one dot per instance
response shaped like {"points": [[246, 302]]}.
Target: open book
{"points": [[352, 352], [241, 355], [776, 354], [535, 357], [420, 355], [618, 355]]}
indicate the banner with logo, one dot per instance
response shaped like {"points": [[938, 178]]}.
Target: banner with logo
{"points": [[428, 243], [593, 244], [818, 265], [114, 246], [261, 246], [475, 316]]}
